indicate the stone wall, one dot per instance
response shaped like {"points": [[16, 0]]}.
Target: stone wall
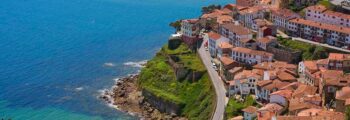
{"points": [[161, 104], [282, 53]]}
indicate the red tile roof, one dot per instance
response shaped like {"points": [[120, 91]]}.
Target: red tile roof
{"points": [[214, 35], [250, 109], [324, 26]]}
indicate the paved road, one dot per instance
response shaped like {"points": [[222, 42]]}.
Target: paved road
{"points": [[312, 42], [220, 90]]}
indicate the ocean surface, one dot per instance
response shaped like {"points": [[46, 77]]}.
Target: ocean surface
{"points": [[57, 55]]}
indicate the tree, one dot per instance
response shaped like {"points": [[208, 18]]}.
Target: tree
{"points": [[347, 113], [176, 25], [210, 8]]}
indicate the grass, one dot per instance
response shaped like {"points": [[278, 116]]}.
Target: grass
{"points": [[234, 107], [326, 3], [309, 51], [195, 98], [182, 49]]}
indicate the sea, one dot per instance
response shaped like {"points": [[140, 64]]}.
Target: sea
{"points": [[56, 56]]}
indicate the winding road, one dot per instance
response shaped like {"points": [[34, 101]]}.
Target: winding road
{"points": [[220, 90]]}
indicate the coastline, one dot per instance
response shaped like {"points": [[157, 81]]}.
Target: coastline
{"points": [[125, 96]]}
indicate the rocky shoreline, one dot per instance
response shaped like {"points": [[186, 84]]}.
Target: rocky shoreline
{"points": [[126, 97]]}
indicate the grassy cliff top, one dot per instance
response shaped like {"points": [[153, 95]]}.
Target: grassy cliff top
{"points": [[196, 98]]}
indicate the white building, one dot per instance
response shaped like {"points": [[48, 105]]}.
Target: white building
{"points": [[245, 82], [235, 33], [249, 14], [214, 40], [281, 17], [320, 13], [249, 113], [281, 97], [249, 56], [319, 32]]}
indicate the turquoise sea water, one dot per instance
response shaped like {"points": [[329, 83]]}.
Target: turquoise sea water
{"points": [[57, 54]]}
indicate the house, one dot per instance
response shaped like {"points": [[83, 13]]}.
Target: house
{"points": [[248, 15], [235, 33], [226, 64], [281, 97], [280, 17], [342, 99], [249, 113], [223, 49], [211, 21], [335, 61], [310, 71], [269, 111], [233, 72], [298, 104], [320, 13], [320, 32], [214, 40], [249, 56], [265, 87], [314, 114], [190, 32], [245, 82], [331, 81], [247, 3], [264, 42]]}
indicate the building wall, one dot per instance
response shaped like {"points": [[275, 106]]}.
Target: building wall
{"points": [[278, 99]]}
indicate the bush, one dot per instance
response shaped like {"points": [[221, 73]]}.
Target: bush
{"points": [[234, 107]]}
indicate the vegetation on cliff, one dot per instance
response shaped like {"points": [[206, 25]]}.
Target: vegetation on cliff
{"points": [[195, 98], [234, 107], [309, 51]]}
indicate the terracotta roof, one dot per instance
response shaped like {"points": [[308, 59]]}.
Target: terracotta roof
{"points": [[247, 40], [250, 109], [330, 115], [226, 60], [192, 21], [284, 76], [319, 8], [236, 69], [324, 26], [300, 104], [337, 14], [293, 118], [343, 94], [238, 29], [275, 65], [266, 39], [275, 84], [285, 13], [347, 102], [214, 35], [284, 93], [303, 90], [336, 56], [272, 107], [308, 112], [322, 62], [311, 65], [237, 118], [225, 45], [263, 82], [250, 51], [245, 74], [332, 77]]}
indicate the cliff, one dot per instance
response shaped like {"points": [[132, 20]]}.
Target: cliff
{"points": [[176, 82]]}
